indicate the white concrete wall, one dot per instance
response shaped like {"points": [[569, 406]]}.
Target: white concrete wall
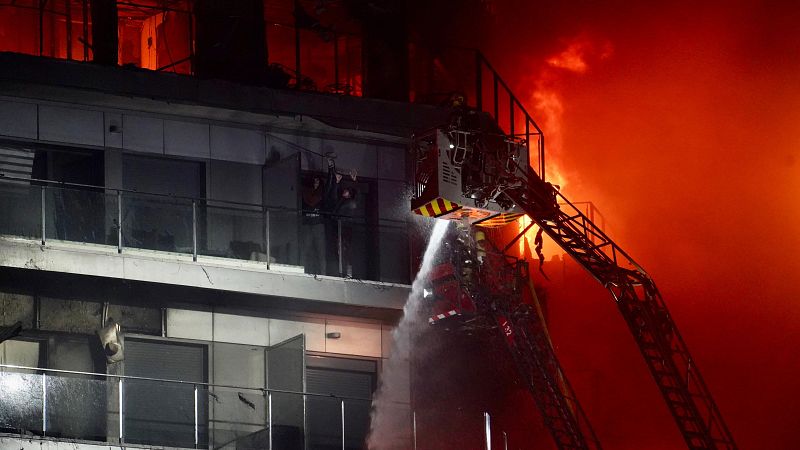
{"points": [[358, 338]]}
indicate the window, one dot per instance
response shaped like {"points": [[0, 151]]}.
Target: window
{"points": [[156, 35], [56, 28], [355, 378], [162, 413]]}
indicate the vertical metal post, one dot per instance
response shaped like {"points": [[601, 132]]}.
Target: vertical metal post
{"points": [[339, 243], [266, 238], [68, 12], [196, 421], [119, 221], [343, 425], [297, 46], [44, 404], [269, 417], [37, 312], [487, 425], [541, 156], [85, 13], [191, 41], [194, 231], [44, 214], [478, 82], [505, 441], [414, 428], [41, 26], [336, 62], [511, 100], [496, 100], [119, 388], [528, 142]]}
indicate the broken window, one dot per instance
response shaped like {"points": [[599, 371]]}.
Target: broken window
{"points": [[54, 28], [156, 35], [317, 43]]}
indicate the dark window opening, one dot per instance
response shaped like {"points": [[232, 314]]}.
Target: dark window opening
{"points": [[156, 35], [161, 413], [161, 217], [56, 28], [74, 213], [316, 44], [354, 378]]}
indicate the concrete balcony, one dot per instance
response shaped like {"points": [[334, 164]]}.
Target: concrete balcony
{"points": [[258, 253]]}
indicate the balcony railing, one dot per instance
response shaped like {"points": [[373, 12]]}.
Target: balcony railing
{"points": [[320, 244], [137, 410]]}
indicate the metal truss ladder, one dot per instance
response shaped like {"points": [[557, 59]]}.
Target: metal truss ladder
{"points": [[536, 361], [666, 354]]}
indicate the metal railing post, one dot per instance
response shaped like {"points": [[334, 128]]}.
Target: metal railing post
{"points": [[44, 404], [44, 214], [196, 421], [266, 238], [269, 417], [487, 425], [119, 221], [541, 156], [510, 114], [121, 408], [343, 425], [194, 232], [478, 82], [339, 243], [414, 427], [528, 145], [336, 61], [297, 61], [496, 100]]}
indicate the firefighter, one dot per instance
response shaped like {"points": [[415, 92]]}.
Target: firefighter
{"points": [[339, 200]]}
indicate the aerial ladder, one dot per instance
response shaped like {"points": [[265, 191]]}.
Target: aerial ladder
{"points": [[486, 289], [471, 172]]}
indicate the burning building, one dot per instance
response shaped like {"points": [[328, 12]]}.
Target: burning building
{"points": [[206, 238], [187, 267]]}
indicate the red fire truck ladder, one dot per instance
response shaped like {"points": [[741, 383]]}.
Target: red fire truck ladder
{"points": [[666, 354], [536, 362]]}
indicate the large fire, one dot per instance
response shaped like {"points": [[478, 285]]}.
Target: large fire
{"points": [[686, 138], [546, 98]]}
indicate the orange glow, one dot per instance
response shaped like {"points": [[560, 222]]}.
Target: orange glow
{"points": [[151, 38], [685, 137], [547, 100]]}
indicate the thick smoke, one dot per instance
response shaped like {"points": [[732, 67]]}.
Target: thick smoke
{"points": [[390, 420]]}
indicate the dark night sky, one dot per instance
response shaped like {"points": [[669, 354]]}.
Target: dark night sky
{"points": [[682, 123]]}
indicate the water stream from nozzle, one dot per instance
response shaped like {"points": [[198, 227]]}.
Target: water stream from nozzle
{"points": [[390, 418]]}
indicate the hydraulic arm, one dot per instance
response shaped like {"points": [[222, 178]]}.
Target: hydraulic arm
{"points": [[638, 299], [475, 174], [494, 291]]}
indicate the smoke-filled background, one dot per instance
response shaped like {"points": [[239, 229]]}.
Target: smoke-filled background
{"points": [[681, 122]]}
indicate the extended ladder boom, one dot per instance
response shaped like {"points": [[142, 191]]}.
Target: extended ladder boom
{"points": [[471, 172], [537, 364], [523, 326], [666, 354]]}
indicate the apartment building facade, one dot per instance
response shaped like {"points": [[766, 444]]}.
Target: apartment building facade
{"points": [[168, 199]]}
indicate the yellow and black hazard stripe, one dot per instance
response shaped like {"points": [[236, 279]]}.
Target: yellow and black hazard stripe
{"points": [[437, 207], [499, 220]]}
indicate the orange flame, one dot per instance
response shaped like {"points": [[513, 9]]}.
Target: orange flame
{"points": [[548, 104]]}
